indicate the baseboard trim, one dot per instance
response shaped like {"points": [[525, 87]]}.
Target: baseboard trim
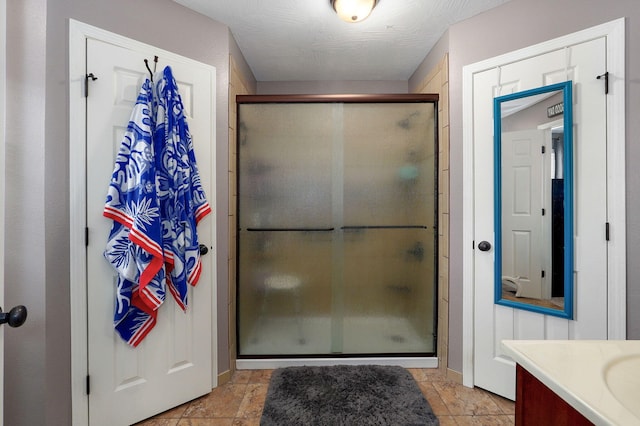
{"points": [[454, 375], [224, 377]]}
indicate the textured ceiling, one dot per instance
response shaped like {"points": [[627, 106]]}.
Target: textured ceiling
{"points": [[303, 40]]}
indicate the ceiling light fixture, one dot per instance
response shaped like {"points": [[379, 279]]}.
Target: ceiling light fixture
{"points": [[353, 10]]}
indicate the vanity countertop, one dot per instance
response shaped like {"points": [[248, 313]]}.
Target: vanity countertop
{"points": [[599, 378]]}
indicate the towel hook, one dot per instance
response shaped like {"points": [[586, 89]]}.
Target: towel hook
{"points": [[146, 64], [155, 64]]}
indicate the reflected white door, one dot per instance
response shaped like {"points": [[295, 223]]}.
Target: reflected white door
{"points": [[173, 363], [522, 214], [493, 323]]}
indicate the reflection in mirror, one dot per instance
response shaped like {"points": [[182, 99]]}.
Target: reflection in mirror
{"points": [[533, 200]]}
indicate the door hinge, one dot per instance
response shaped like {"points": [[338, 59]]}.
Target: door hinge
{"points": [[542, 273], [86, 236], [88, 384], [543, 212], [543, 149], [607, 233], [86, 83]]}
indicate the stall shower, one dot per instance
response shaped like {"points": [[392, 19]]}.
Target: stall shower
{"points": [[337, 226]]}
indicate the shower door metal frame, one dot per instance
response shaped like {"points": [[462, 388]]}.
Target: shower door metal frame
{"points": [[339, 99]]}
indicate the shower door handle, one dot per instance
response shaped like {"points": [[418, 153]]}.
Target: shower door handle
{"points": [[290, 229], [352, 227]]}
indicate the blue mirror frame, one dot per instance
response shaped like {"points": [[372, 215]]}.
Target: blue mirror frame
{"points": [[567, 162]]}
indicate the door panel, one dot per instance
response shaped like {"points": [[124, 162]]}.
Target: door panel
{"points": [[493, 323], [389, 272], [173, 363], [285, 229]]}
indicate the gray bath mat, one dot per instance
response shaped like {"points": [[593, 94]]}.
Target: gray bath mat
{"points": [[345, 395]]}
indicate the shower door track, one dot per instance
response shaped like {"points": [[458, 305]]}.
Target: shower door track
{"points": [[273, 363]]}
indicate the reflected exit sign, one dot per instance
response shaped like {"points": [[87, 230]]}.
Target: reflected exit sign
{"points": [[555, 110]]}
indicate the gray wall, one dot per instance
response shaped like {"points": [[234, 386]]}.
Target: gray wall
{"points": [[25, 214], [509, 27], [37, 356]]}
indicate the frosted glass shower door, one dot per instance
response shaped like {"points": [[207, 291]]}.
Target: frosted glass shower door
{"points": [[389, 228], [336, 229], [285, 229]]}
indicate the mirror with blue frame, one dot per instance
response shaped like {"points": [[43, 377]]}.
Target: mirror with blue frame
{"points": [[533, 195]]}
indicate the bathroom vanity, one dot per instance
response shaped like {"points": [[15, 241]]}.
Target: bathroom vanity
{"points": [[576, 382]]}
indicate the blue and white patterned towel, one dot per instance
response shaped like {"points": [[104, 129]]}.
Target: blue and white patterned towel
{"points": [[155, 200]]}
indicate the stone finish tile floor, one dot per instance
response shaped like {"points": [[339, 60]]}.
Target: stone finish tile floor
{"points": [[239, 402]]}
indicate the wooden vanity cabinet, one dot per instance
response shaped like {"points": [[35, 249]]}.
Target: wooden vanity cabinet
{"points": [[537, 405]]}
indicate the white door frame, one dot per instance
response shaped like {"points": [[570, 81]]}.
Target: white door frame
{"points": [[78, 33], [614, 32], [3, 94]]}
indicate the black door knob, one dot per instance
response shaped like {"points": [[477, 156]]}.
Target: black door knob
{"points": [[484, 246], [203, 249], [15, 317]]}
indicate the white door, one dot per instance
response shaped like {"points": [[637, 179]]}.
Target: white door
{"points": [[493, 323], [173, 363], [522, 204]]}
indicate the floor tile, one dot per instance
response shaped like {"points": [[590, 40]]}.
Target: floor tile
{"points": [[433, 397], [247, 422], [159, 422], [447, 421], [427, 374], [253, 401], [206, 422], [240, 402], [241, 376], [461, 400], [484, 420], [223, 401], [507, 406], [260, 376]]}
